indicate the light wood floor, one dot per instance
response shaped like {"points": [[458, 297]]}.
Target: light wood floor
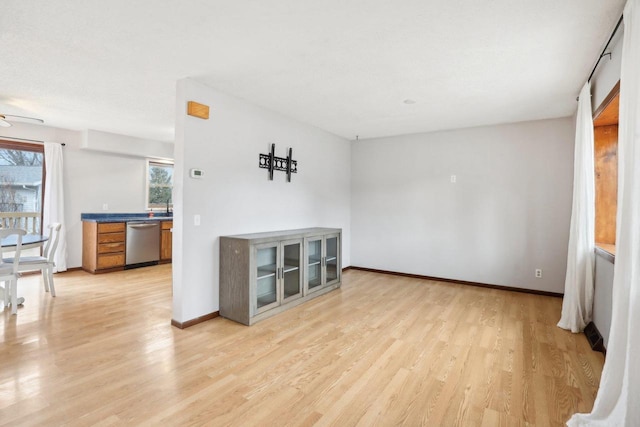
{"points": [[382, 350]]}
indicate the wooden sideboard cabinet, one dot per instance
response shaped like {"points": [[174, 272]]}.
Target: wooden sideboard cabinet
{"points": [[103, 246], [166, 241], [262, 274]]}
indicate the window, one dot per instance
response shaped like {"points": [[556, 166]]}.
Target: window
{"points": [[21, 185], [159, 184], [605, 138]]}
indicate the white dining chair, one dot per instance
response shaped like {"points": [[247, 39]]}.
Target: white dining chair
{"points": [[9, 268], [44, 263]]}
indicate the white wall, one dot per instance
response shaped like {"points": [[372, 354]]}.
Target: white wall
{"points": [[235, 196], [608, 72], [113, 143], [92, 178], [507, 214]]}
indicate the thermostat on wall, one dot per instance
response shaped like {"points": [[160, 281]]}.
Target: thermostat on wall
{"points": [[196, 173]]}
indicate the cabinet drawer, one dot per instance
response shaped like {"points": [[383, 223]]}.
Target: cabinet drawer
{"points": [[166, 225], [111, 238], [108, 261], [106, 248], [111, 227]]}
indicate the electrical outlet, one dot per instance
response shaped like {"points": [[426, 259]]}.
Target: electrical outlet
{"points": [[196, 220], [105, 207], [453, 179], [538, 273]]}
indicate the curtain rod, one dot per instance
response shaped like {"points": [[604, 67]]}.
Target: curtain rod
{"points": [[36, 141], [615, 30]]}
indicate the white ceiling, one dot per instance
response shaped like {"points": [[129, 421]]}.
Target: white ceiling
{"points": [[345, 66]]}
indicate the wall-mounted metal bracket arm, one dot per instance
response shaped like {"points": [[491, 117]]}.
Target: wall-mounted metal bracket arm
{"points": [[271, 162]]}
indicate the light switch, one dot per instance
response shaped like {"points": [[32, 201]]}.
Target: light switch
{"points": [[453, 179], [196, 220]]}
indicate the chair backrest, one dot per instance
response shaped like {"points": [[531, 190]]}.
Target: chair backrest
{"points": [[52, 244], [8, 233]]}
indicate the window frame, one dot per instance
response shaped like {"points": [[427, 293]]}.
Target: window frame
{"points": [[605, 220], [7, 144], [161, 163]]}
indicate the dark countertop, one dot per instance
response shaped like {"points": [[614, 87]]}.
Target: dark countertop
{"points": [[124, 217]]}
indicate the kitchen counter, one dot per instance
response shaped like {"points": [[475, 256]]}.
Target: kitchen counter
{"points": [[124, 217], [111, 243]]}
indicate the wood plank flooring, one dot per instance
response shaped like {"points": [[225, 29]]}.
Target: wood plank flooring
{"points": [[383, 350]]}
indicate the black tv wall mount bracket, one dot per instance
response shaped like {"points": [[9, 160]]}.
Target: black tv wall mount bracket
{"points": [[271, 162]]}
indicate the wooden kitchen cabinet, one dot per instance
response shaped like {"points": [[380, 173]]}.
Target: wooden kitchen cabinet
{"points": [[166, 241], [103, 246]]}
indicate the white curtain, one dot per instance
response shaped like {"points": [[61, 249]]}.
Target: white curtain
{"points": [[53, 208], [618, 400], [577, 304]]}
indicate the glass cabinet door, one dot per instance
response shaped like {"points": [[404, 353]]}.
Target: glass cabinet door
{"points": [[331, 260], [291, 270], [314, 264], [267, 280]]}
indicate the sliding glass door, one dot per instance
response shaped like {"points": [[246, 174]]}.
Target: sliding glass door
{"points": [[22, 175]]}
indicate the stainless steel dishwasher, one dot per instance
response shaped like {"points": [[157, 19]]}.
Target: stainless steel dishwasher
{"points": [[143, 243]]}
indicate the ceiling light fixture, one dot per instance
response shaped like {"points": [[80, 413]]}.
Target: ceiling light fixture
{"points": [[6, 123]]}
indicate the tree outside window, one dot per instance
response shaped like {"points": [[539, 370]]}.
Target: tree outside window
{"points": [[20, 180], [20, 157], [160, 184]]}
